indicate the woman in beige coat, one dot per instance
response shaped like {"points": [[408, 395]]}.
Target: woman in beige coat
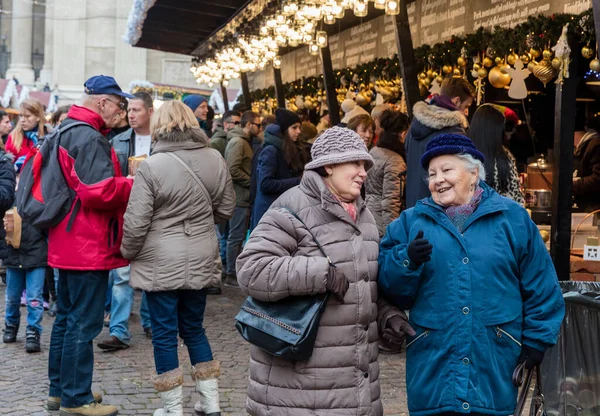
{"points": [[178, 195], [281, 259]]}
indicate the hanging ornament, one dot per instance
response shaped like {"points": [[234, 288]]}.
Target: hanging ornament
{"points": [[595, 65], [531, 65], [362, 99], [429, 74], [475, 74], [487, 62], [422, 75], [544, 71], [587, 52], [483, 73], [480, 89], [525, 58], [547, 54], [563, 55], [462, 62], [498, 60], [518, 88], [439, 79], [447, 69], [497, 78], [476, 67], [535, 53], [512, 58], [456, 72]]}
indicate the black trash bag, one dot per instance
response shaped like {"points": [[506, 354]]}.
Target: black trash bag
{"points": [[571, 369]]}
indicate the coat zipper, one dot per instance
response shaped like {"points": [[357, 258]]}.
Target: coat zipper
{"points": [[500, 331], [424, 334]]}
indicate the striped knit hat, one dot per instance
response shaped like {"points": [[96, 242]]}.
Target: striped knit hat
{"points": [[338, 145]]}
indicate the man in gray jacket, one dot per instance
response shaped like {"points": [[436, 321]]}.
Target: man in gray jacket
{"points": [[134, 142]]}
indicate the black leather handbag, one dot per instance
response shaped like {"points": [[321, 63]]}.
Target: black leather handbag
{"points": [[287, 328]]}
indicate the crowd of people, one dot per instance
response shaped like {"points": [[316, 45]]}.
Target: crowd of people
{"points": [[173, 203]]}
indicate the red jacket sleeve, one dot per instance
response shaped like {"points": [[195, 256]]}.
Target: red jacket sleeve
{"points": [[100, 185]]}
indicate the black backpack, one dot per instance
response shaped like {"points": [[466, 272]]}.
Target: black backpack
{"points": [[43, 197]]}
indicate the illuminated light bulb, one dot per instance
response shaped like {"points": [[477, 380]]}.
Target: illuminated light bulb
{"points": [[321, 38], [271, 23], [380, 4], [338, 11], [280, 19], [225, 83], [210, 85], [264, 30], [308, 27], [392, 7], [307, 38], [313, 49], [262, 65], [329, 19], [360, 9], [277, 62]]}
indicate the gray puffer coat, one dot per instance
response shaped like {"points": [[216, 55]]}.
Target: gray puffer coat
{"points": [[281, 259], [384, 187], [169, 227]]}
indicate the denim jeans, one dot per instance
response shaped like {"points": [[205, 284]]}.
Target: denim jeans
{"points": [[145, 312], [238, 225], [173, 312], [121, 304], [78, 321], [223, 234], [33, 281]]}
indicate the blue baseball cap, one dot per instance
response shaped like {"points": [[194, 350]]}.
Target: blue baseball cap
{"points": [[103, 84]]}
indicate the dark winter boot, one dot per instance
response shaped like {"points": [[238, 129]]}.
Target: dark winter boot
{"points": [[32, 343], [10, 333]]}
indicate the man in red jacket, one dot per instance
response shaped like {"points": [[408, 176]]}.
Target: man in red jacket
{"points": [[86, 251]]}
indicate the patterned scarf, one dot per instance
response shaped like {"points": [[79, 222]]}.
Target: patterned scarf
{"points": [[33, 136], [461, 213]]}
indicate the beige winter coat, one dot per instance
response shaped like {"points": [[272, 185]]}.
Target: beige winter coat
{"points": [[384, 187], [280, 260], [169, 228]]}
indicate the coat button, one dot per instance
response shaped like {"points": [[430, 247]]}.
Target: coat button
{"points": [[366, 375], [466, 260], [466, 406], [465, 361], [465, 310], [406, 263]]}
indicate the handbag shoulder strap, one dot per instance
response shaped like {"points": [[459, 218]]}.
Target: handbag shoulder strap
{"points": [[522, 378], [193, 175], [312, 235]]}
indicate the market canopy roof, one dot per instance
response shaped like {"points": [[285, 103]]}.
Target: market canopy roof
{"points": [[189, 26]]}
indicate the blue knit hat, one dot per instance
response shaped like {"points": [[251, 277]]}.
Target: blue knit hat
{"points": [[193, 101], [449, 144]]}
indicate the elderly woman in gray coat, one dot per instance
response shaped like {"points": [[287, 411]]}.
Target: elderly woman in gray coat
{"points": [[281, 259], [169, 235]]}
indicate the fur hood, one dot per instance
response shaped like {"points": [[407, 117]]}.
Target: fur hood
{"points": [[429, 118]]}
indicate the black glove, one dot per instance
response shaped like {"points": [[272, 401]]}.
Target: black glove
{"points": [[419, 250], [337, 283], [397, 329], [530, 356]]}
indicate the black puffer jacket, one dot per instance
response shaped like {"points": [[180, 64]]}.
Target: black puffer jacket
{"points": [[32, 252], [7, 195]]}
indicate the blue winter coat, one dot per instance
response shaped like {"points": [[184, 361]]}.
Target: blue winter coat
{"points": [[273, 176], [483, 293]]}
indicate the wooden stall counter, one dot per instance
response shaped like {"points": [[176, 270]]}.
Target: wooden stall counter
{"points": [[585, 270]]}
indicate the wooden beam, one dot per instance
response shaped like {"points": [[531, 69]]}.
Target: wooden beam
{"points": [[225, 98], [246, 90], [329, 80], [279, 88], [562, 176], [406, 55]]}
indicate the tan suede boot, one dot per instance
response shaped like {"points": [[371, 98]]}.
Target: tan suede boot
{"points": [[205, 375], [169, 388]]}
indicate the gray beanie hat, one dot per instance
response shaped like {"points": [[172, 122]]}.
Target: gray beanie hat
{"points": [[338, 145]]}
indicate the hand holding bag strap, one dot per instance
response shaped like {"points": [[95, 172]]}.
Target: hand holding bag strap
{"points": [[193, 175], [312, 235], [522, 378]]}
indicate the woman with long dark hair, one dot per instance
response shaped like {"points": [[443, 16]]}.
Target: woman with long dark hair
{"points": [[280, 163], [384, 181], [488, 133]]}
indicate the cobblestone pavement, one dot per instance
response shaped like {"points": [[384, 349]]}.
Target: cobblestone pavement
{"points": [[123, 377]]}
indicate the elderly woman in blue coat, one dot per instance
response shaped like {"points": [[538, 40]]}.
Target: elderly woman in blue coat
{"points": [[481, 288]]}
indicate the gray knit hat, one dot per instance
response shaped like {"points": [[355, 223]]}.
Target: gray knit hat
{"points": [[338, 145]]}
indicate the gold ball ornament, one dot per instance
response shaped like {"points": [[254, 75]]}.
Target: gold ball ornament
{"points": [[504, 68], [483, 73], [547, 54], [456, 72], [525, 58], [430, 74], [556, 63], [497, 78], [447, 69], [434, 75], [422, 75], [498, 60], [362, 99], [439, 79], [535, 53], [475, 74], [595, 65], [587, 52], [476, 67], [369, 94], [512, 58], [423, 90], [396, 89], [487, 62], [544, 71], [531, 65], [462, 62], [309, 104]]}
